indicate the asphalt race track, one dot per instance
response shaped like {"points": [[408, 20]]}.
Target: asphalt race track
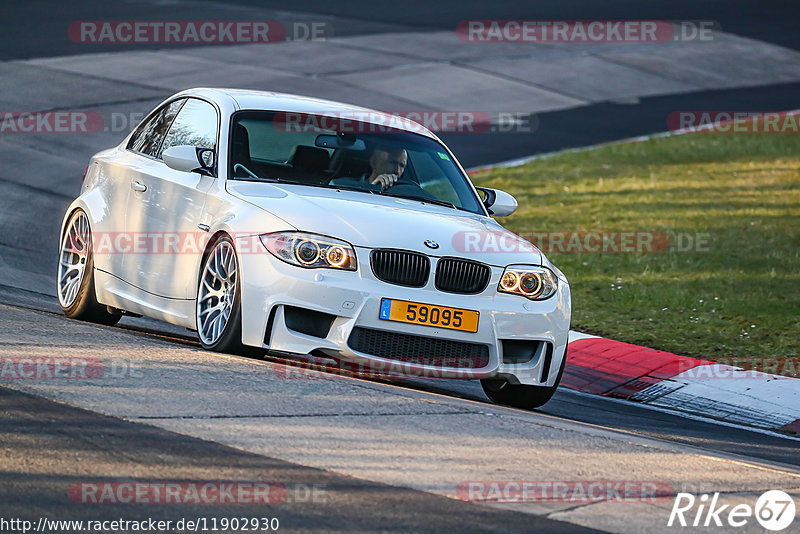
{"points": [[387, 456]]}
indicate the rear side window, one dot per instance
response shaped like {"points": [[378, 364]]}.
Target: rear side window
{"points": [[196, 125], [148, 136]]}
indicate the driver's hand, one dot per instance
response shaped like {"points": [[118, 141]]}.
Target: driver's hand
{"points": [[385, 180]]}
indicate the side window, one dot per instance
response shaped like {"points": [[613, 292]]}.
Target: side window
{"points": [[267, 141], [196, 125], [148, 136]]}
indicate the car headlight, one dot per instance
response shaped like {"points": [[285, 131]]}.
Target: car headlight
{"points": [[535, 283], [310, 250]]}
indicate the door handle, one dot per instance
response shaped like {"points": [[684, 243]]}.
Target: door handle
{"points": [[138, 186]]}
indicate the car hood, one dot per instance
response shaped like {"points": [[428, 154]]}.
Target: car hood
{"points": [[376, 221]]}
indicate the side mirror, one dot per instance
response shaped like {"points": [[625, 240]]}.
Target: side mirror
{"points": [[190, 159], [498, 203]]}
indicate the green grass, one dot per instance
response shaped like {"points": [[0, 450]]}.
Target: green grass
{"points": [[741, 192]]}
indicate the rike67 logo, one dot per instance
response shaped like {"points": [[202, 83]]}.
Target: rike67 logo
{"points": [[774, 510]]}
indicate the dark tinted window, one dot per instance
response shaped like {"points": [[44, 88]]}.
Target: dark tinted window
{"points": [[148, 136], [196, 125]]}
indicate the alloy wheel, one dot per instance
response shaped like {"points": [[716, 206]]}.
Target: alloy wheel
{"points": [[75, 248], [217, 293]]}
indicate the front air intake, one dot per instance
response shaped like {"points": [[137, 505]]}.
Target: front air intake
{"points": [[420, 350]]}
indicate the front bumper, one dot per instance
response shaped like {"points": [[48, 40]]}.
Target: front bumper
{"points": [[353, 297]]}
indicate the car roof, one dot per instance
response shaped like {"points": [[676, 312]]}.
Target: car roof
{"points": [[243, 99]]}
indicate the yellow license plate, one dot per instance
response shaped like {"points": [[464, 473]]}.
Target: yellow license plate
{"points": [[404, 311]]}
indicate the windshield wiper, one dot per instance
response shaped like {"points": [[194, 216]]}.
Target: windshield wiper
{"points": [[348, 188], [421, 199]]}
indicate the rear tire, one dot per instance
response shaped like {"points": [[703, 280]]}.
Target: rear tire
{"points": [[500, 391], [75, 283]]}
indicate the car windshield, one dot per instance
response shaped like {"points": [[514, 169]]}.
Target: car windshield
{"points": [[324, 151]]}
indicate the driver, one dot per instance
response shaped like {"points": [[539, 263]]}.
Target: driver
{"points": [[387, 165]]}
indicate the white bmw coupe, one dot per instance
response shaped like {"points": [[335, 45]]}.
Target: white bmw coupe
{"points": [[309, 227]]}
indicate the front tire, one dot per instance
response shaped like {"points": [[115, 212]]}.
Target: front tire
{"points": [[218, 309], [75, 284], [500, 391]]}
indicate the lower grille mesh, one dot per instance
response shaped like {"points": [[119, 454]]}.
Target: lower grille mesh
{"points": [[418, 349]]}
